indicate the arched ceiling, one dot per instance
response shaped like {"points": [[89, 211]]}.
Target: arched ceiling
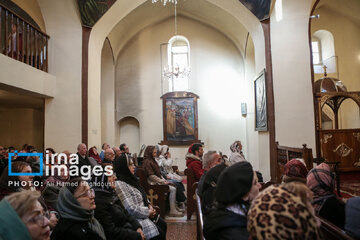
{"points": [[200, 10], [348, 8]]}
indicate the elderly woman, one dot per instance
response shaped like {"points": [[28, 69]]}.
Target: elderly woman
{"points": [[153, 173], [22, 217], [236, 188], [295, 170], [11, 184], [278, 213], [134, 199], [321, 182], [76, 208], [236, 153], [117, 222]]}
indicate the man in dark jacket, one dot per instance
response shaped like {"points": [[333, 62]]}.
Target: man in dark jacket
{"points": [[82, 154], [237, 187]]}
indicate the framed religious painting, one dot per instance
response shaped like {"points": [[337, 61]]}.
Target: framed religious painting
{"points": [[261, 122], [180, 118]]}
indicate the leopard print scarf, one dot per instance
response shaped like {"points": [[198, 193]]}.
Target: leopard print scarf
{"points": [[277, 213]]}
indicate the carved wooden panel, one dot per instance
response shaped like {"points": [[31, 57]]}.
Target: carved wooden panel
{"points": [[343, 146]]}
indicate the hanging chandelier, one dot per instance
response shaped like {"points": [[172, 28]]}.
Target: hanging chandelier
{"points": [[174, 70]]}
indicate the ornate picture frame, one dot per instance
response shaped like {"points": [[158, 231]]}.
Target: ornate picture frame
{"points": [[180, 118], [261, 120]]}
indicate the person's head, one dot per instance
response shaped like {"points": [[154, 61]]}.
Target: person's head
{"points": [[82, 149], [277, 213], [295, 170], [236, 147], [211, 159], [105, 146], [23, 181], [116, 151], [197, 150], [150, 152], [237, 184], [93, 152], [109, 154], [82, 192], [320, 180], [29, 209], [131, 166], [124, 148], [2, 151], [49, 151], [11, 149], [33, 158], [29, 148]]}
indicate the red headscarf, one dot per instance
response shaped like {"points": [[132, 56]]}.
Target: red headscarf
{"points": [[93, 155]]}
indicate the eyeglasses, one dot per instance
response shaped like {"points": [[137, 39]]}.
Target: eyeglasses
{"points": [[89, 193], [40, 219]]}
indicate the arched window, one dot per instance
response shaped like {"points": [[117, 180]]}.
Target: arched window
{"points": [[316, 51], [323, 52], [178, 63]]}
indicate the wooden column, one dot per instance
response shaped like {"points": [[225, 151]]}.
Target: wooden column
{"points": [[270, 100], [84, 84]]}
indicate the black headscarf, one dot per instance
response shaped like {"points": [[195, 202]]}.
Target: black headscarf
{"points": [[101, 183], [123, 174]]}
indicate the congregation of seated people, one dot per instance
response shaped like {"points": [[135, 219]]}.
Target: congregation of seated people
{"points": [[234, 204]]}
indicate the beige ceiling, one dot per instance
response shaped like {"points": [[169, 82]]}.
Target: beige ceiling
{"points": [[348, 8], [200, 10], [16, 100]]}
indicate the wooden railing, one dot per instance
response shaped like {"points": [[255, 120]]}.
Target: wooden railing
{"points": [[22, 40]]}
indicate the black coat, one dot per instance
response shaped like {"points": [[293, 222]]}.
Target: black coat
{"points": [[116, 221], [222, 224], [72, 229]]}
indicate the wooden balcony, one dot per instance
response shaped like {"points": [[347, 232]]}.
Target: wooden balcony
{"points": [[22, 40]]}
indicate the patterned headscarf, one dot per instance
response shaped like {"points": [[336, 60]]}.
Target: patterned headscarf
{"points": [[320, 180], [295, 170], [277, 213], [235, 147]]}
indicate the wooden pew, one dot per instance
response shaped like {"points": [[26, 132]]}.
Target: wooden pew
{"points": [[285, 154], [190, 192], [332, 232], [157, 194], [199, 217]]}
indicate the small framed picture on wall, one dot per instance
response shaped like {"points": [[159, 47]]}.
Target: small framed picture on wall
{"points": [[261, 122]]}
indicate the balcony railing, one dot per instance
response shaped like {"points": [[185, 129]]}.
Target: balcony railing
{"points": [[22, 40]]}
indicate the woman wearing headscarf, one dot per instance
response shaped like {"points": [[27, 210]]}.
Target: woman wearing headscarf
{"points": [[94, 154], [134, 199], [236, 188], [153, 174], [295, 170], [116, 221], [76, 209], [278, 213], [236, 153], [321, 182]]}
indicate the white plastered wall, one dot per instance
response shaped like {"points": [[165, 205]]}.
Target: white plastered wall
{"points": [[217, 77], [294, 109], [108, 123], [63, 112], [116, 13]]}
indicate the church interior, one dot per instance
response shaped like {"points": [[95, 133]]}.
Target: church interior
{"points": [[281, 76]]}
